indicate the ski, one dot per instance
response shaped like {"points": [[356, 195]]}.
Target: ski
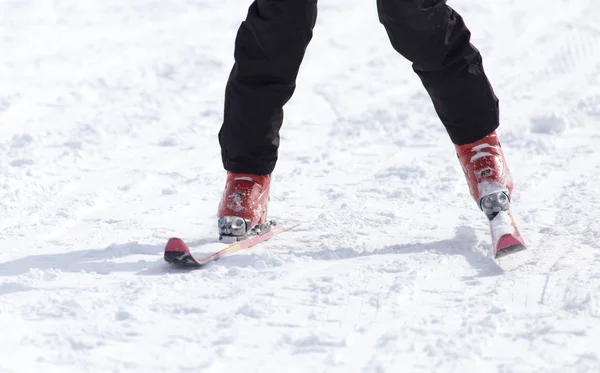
{"points": [[177, 252]]}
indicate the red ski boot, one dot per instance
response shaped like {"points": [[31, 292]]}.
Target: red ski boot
{"points": [[491, 184], [243, 208]]}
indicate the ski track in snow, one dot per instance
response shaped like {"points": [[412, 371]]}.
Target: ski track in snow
{"points": [[109, 113]]}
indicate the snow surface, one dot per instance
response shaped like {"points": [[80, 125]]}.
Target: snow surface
{"points": [[109, 112]]}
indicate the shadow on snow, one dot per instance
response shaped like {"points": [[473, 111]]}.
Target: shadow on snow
{"points": [[103, 261], [97, 261], [464, 243]]}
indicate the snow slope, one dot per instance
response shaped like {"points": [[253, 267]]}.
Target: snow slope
{"points": [[109, 112]]}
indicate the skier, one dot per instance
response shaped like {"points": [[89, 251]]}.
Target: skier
{"points": [[269, 49]]}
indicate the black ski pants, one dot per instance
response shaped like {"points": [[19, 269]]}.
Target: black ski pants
{"points": [[270, 46]]}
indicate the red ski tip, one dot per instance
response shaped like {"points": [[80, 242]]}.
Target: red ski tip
{"points": [[177, 244], [508, 240], [509, 244]]}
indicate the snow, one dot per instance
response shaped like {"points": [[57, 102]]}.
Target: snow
{"points": [[109, 113]]}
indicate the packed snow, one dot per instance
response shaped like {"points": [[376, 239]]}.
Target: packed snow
{"points": [[109, 112]]}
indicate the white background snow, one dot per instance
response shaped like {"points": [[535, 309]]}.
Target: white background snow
{"points": [[109, 112]]}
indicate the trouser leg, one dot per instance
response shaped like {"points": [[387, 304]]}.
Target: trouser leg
{"points": [[269, 49], [436, 40]]}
